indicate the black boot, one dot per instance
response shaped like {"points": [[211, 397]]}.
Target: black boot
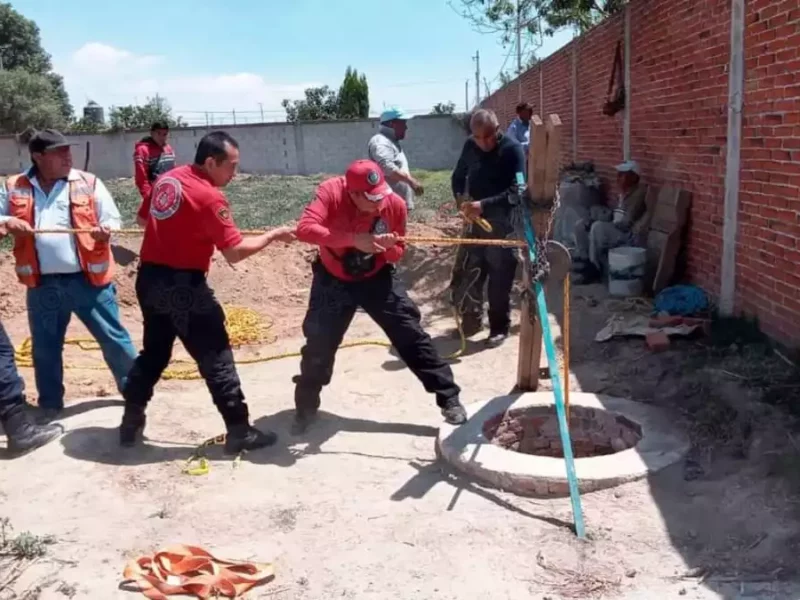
{"points": [[306, 402], [242, 438], [453, 411], [23, 434], [132, 426]]}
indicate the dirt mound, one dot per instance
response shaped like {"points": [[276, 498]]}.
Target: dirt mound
{"points": [[274, 282]]}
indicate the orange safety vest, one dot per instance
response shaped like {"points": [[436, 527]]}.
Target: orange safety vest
{"points": [[95, 257]]}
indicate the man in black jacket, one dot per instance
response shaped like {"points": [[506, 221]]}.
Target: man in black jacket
{"points": [[489, 176]]}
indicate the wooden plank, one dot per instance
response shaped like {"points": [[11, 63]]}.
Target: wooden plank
{"points": [[530, 342], [537, 156], [544, 162], [553, 164]]}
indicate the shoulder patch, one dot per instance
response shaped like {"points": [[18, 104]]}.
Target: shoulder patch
{"points": [[224, 214], [166, 199]]}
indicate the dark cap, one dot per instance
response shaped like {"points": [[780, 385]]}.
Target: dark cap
{"points": [[48, 139]]}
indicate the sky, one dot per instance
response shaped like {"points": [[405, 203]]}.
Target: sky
{"points": [[208, 59]]}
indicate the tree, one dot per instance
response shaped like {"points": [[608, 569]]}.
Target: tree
{"points": [[125, 118], [21, 48], [321, 104], [28, 100], [533, 17], [353, 96], [444, 108]]}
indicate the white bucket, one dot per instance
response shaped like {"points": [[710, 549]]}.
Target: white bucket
{"points": [[626, 271]]}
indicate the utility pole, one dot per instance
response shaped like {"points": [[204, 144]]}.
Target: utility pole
{"points": [[477, 59], [466, 96]]}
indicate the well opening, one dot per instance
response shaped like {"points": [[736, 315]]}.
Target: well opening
{"points": [[534, 430]]}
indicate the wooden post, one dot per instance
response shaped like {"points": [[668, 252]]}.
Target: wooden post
{"points": [[544, 160]]}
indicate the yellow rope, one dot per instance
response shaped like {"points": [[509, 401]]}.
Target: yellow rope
{"points": [[409, 239], [245, 328]]}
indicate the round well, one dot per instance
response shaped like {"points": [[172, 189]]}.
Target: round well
{"points": [[513, 443], [534, 430]]}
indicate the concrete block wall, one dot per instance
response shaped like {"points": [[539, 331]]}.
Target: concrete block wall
{"points": [[433, 142], [679, 59]]}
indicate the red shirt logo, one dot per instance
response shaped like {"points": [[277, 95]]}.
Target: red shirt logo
{"points": [[166, 199]]}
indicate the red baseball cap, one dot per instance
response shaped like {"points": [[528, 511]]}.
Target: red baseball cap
{"points": [[366, 176]]}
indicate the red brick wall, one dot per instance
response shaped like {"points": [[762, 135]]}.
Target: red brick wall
{"points": [[767, 254], [680, 52]]}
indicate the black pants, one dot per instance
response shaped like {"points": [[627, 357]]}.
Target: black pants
{"points": [[331, 308], [12, 386], [475, 267], [179, 304]]}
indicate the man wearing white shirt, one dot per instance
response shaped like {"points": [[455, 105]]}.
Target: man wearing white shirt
{"points": [[384, 149], [64, 273]]}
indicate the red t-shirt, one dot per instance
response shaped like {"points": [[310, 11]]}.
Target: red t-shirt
{"points": [[188, 218], [331, 221]]}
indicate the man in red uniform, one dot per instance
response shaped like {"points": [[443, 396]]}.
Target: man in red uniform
{"points": [[189, 217], [357, 222], [152, 156]]}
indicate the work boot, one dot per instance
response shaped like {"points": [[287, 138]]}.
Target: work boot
{"points": [[496, 339], [242, 438], [303, 419], [306, 402], [45, 416], [132, 427], [454, 412], [23, 434]]}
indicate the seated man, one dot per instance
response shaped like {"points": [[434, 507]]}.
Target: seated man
{"points": [[608, 229]]}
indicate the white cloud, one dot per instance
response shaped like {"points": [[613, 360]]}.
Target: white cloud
{"points": [[114, 76]]}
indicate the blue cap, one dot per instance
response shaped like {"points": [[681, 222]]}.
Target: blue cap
{"points": [[394, 113]]}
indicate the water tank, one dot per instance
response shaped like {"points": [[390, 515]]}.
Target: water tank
{"points": [[93, 113]]}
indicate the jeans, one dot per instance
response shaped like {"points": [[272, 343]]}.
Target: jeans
{"points": [[332, 305], [12, 387], [50, 308], [179, 304]]}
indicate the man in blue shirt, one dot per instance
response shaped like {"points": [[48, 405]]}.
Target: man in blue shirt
{"points": [[64, 273], [520, 128]]}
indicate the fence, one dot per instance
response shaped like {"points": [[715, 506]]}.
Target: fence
{"points": [[713, 107], [434, 142]]}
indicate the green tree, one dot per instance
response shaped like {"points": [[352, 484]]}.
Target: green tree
{"points": [[320, 104], [126, 118], [353, 96], [28, 100], [84, 125], [444, 108], [21, 48], [533, 17]]}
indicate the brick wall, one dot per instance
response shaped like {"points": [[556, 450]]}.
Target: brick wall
{"points": [[768, 258], [680, 52]]}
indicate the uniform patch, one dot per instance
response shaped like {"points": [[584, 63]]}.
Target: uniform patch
{"points": [[224, 214], [380, 227], [166, 199]]}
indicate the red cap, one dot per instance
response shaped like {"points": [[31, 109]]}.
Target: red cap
{"points": [[366, 176]]}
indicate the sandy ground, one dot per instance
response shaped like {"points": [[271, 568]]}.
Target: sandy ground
{"points": [[359, 508]]}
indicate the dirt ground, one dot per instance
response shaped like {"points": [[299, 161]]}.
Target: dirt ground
{"points": [[360, 508]]}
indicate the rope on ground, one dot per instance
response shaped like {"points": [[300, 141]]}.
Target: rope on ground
{"points": [[245, 326]]}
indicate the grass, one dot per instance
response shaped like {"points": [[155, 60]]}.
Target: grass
{"points": [[267, 201]]}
